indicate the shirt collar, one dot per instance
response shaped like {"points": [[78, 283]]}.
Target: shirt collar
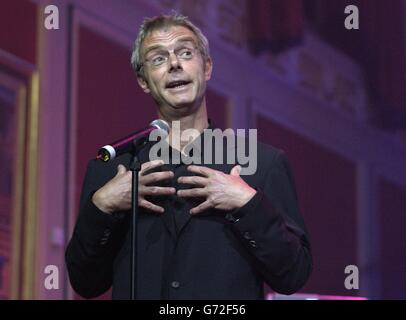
{"points": [[198, 144]]}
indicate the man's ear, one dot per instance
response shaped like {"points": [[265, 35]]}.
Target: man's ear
{"points": [[143, 84], [208, 64]]}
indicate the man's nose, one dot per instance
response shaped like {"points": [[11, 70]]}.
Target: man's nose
{"points": [[174, 62]]}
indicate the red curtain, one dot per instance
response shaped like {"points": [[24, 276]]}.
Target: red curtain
{"points": [[274, 25], [378, 46]]}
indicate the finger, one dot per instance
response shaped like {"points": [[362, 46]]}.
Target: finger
{"points": [[121, 169], [158, 191], [195, 192], [155, 177], [151, 165], [201, 207], [235, 171], [201, 170], [150, 206], [195, 180]]}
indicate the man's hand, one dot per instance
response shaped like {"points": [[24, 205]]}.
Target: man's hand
{"points": [[221, 190], [115, 195]]}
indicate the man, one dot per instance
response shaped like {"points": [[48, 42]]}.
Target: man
{"points": [[204, 231]]}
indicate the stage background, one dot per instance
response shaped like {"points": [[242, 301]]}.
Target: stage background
{"points": [[333, 99]]}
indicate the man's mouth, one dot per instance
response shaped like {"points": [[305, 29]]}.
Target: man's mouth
{"points": [[177, 84]]}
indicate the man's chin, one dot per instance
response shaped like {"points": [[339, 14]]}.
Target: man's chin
{"points": [[181, 109], [182, 105]]}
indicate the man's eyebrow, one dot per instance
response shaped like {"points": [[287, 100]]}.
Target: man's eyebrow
{"points": [[158, 46], [154, 47], [186, 39]]}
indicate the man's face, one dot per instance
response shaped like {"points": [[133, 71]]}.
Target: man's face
{"points": [[178, 84]]}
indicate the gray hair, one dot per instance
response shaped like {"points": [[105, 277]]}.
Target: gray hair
{"points": [[159, 22]]}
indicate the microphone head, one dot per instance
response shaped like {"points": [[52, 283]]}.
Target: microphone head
{"points": [[109, 152], [161, 125], [106, 153]]}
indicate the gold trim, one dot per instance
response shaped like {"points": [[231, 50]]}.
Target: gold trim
{"points": [[31, 190], [39, 247], [18, 194], [25, 177], [31, 251]]}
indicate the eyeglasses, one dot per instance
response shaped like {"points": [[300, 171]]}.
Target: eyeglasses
{"points": [[160, 57]]}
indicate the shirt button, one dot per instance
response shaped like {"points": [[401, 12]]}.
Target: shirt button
{"points": [[247, 236], [175, 284], [253, 243], [230, 218]]}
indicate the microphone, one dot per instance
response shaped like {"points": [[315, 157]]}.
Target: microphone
{"points": [[110, 151]]}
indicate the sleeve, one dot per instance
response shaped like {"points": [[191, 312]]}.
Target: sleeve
{"points": [[272, 229], [94, 244]]}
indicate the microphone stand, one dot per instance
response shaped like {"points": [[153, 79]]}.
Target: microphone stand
{"points": [[135, 167]]}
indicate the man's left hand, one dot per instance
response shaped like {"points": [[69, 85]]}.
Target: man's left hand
{"points": [[222, 191]]}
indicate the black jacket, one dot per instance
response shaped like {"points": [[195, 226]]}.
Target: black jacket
{"points": [[206, 256]]}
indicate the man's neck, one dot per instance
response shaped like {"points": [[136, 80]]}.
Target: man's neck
{"points": [[197, 121]]}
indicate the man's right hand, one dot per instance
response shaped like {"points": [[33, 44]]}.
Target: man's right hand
{"points": [[115, 195]]}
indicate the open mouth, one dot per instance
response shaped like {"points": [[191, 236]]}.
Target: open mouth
{"points": [[177, 84]]}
